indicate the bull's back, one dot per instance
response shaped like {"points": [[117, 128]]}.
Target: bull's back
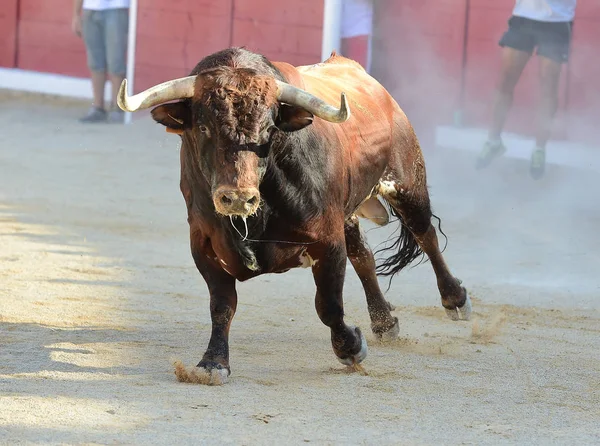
{"points": [[369, 101], [365, 138]]}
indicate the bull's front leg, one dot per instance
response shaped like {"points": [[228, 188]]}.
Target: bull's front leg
{"points": [[349, 344], [223, 303]]}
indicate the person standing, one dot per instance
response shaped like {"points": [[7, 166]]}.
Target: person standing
{"points": [[104, 26], [546, 25]]}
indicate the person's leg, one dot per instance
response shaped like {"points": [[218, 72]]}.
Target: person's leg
{"points": [[93, 36], [117, 26], [115, 114], [98, 83], [546, 109], [548, 102], [513, 63], [517, 45], [553, 50]]}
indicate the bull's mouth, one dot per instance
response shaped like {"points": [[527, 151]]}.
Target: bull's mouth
{"points": [[243, 231]]}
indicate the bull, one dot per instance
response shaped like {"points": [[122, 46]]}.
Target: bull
{"points": [[274, 177]]}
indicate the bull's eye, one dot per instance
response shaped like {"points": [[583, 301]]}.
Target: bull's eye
{"points": [[204, 129]]}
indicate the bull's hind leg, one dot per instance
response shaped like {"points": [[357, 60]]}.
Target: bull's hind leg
{"points": [[410, 199], [349, 344], [383, 324]]}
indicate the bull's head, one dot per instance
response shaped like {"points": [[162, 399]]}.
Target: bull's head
{"points": [[230, 117]]}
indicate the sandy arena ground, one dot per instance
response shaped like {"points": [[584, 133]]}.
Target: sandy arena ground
{"points": [[99, 295]]}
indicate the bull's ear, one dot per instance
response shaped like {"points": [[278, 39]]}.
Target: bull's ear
{"points": [[292, 118], [176, 117]]}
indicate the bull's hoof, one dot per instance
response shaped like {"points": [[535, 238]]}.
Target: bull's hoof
{"points": [[215, 377], [361, 355], [390, 334], [461, 313], [209, 374]]}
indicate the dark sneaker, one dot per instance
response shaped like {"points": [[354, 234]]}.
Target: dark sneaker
{"points": [[538, 164], [94, 114], [490, 150], [116, 117]]}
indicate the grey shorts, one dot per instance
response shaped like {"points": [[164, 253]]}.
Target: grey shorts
{"points": [[105, 36]]}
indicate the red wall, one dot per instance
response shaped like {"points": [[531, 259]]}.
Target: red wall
{"points": [[173, 35], [418, 56], [282, 30], [579, 94], [488, 20], [583, 94], [8, 32], [45, 41], [418, 49]]}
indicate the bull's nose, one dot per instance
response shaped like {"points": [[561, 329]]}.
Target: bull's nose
{"points": [[232, 201]]}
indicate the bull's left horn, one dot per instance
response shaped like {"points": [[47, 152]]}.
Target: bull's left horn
{"points": [[159, 94], [295, 96]]}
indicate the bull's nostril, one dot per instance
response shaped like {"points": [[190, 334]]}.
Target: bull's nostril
{"points": [[226, 200], [253, 200]]}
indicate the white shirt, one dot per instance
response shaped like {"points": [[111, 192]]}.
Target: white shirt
{"points": [[100, 5], [357, 18], [546, 10]]}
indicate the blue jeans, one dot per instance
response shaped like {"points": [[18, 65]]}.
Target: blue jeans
{"points": [[105, 36]]}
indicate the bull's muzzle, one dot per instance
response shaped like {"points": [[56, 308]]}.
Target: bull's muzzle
{"points": [[232, 201]]}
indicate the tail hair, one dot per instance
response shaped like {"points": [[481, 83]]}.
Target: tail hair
{"points": [[405, 247]]}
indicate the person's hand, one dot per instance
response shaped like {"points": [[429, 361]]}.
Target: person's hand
{"points": [[76, 25]]}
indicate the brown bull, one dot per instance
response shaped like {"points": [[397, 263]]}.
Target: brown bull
{"points": [[274, 178]]}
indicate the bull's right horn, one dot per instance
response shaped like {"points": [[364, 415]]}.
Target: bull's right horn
{"points": [[181, 88], [296, 96]]}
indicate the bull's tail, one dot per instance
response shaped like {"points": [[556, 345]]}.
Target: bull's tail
{"points": [[405, 248]]}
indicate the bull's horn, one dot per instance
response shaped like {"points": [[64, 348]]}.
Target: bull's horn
{"points": [[159, 94], [295, 96]]}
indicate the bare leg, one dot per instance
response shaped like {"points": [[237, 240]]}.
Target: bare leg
{"points": [[96, 113], [349, 345], [116, 115], [513, 63], [98, 82], [547, 105], [549, 80], [383, 324], [115, 83]]}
